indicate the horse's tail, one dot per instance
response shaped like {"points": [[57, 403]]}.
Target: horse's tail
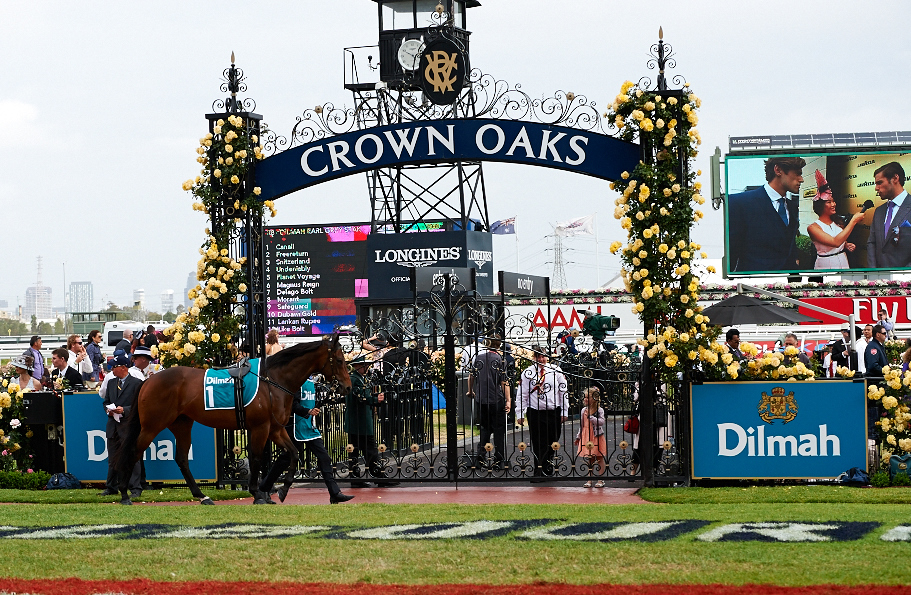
{"points": [[124, 454]]}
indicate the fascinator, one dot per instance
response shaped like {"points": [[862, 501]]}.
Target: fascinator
{"points": [[823, 190]]}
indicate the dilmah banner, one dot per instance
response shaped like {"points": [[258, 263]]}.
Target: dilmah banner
{"points": [[759, 430], [87, 453]]}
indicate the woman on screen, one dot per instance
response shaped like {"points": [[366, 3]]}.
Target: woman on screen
{"points": [[829, 235]]}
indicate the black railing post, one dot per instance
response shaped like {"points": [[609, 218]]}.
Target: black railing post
{"points": [[452, 398], [647, 422]]}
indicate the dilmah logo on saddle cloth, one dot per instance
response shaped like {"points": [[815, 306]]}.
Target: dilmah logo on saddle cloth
{"points": [[219, 387]]}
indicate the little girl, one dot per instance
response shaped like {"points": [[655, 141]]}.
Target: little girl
{"points": [[592, 430]]}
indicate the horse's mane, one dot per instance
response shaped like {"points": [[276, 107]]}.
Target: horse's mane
{"points": [[286, 356]]}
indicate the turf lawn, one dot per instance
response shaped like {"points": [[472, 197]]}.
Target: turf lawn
{"points": [[498, 560]]}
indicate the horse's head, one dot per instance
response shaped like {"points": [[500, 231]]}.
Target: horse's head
{"points": [[335, 369]]}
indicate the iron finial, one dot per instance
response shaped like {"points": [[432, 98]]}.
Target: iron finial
{"points": [[232, 57], [660, 36]]}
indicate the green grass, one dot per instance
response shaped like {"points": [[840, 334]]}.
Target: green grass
{"points": [[500, 560], [89, 496], [777, 494]]}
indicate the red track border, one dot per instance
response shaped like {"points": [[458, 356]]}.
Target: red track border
{"points": [[74, 586]]}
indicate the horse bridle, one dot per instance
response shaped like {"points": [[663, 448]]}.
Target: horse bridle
{"points": [[330, 361]]}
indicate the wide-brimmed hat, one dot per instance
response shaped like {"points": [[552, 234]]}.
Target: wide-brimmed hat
{"points": [[143, 351], [363, 358], [21, 362]]}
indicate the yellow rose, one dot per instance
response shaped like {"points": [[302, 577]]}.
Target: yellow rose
{"points": [[235, 180], [217, 173], [216, 337]]}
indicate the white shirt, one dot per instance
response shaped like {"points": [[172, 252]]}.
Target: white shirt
{"points": [[132, 370], [775, 197], [83, 367], [861, 346], [550, 395]]}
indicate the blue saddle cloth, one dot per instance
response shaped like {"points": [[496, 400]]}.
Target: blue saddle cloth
{"points": [[218, 387]]}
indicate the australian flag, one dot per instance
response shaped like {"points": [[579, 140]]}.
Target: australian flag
{"points": [[503, 226]]}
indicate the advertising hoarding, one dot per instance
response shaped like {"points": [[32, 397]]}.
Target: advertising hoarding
{"points": [[865, 309], [778, 430], [86, 447], [758, 242], [391, 256], [314, 273]]}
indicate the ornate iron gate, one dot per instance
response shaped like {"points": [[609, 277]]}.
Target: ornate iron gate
{"points": [[425, 432]]}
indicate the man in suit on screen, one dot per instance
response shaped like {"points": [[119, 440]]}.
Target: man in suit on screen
{"points": [[762, 223], [889, 246]]}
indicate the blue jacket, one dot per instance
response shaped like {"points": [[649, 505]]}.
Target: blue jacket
{"points": [[303, 425], [758, 240], [875, 358]]}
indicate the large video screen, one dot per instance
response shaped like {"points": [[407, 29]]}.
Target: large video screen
{"points": [[835, 216], [315, 272]]}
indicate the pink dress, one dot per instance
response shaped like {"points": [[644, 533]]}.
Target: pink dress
{"points": [[592, 430]]}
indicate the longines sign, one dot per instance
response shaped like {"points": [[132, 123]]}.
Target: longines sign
{"points": [[527, 143], [390, 258]]}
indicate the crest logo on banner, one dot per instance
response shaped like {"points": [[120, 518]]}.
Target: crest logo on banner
{"points": [[777, 406], [444, 71]]}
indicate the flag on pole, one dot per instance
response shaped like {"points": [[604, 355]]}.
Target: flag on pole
{"points": [[575, 227], [503, 226]]}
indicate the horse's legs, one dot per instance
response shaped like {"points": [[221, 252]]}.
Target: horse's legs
{"points": [[256, 442], [290, 456], [181, 428]]}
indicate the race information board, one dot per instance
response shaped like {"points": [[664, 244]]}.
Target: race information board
{"points": [[315, 272]]}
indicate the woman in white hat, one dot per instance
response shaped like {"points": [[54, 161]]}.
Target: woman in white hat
{"points": [[25, 365]]}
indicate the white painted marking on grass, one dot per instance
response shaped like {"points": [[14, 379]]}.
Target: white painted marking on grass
{"points": [[788, 532], [625, 531]]}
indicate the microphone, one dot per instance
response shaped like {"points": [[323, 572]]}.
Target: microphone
{"points": [[843, 219]]}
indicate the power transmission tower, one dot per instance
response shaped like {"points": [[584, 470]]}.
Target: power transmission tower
{"points": [[558, 279]]}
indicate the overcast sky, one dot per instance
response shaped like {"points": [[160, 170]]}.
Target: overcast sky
{"points": [[103, 103]]}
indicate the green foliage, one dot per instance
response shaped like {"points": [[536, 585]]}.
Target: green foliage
{"points": [[901, 479], [9, 327], [880, 479], [15, 437], [18, 480], [657, 209], [207, 333], [804, 243], [894, 351]]}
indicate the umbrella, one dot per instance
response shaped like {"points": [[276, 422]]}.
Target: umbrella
{"points": [[743, 309]]}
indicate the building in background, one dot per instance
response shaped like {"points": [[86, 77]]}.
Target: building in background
{"points": [[139, 299], [167, 301], [191, 283], [38, 303], [81, 296]]}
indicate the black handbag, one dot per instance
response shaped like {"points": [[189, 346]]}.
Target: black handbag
{"points": [[63, 481]]}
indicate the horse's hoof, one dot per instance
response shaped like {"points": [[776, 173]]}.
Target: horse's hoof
{"points": [[207, 501], [282, 493]]}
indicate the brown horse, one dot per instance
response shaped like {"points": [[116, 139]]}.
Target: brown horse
{"points": [[173, 399]]}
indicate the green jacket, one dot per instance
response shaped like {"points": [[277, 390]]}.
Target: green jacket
{"points": [[359, 403]]}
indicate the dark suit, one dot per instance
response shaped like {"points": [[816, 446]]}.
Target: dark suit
{"points": [[758, 240], [69, 374], [125, 397], [894, 250]]}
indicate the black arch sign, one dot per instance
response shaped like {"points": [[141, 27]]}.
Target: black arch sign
{"points": [[433, 141]]}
